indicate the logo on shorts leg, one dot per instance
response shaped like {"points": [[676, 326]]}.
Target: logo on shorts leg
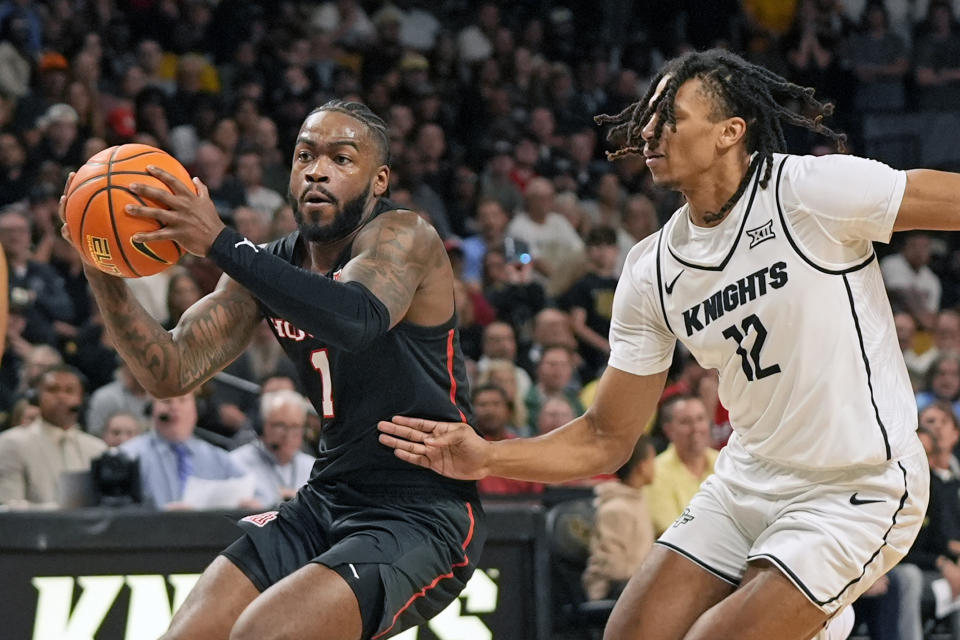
{"points": [[854, 500], [684, 518], [261, 519]]}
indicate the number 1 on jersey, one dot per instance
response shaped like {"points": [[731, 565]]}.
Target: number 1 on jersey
{"points": [[321, 364]]}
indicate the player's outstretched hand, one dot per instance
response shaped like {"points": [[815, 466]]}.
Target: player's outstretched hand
{"points": [[452, 449], [189, 218]]}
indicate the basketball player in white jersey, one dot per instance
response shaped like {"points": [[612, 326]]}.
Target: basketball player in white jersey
{"points": [[768, 274]]}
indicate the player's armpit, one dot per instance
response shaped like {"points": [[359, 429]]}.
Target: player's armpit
{"points": [[392, 257]]}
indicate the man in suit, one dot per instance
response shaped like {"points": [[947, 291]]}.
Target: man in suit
{"points": [[33, 456]]}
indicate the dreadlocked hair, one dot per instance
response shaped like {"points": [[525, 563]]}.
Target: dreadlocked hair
{"points": [[373, 122], [739, 88]]}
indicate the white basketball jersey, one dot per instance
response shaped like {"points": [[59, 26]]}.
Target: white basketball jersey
{"points": [[786, 299]]}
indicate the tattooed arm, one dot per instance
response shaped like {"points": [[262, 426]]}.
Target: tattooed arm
{"points": [[399, 257], [399, 271], [209, 336]]}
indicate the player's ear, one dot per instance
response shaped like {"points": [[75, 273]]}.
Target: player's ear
{"points": [[381, 181], [734, 130]]}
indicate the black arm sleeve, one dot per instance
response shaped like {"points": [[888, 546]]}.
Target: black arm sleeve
{"points": [[343, 314]]}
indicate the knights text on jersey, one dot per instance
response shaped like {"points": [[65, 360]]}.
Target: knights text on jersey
{"points": [[788, 303], [411, 370]]}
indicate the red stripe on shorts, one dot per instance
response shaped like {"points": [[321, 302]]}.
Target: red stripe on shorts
{"points": [[433, 583]]}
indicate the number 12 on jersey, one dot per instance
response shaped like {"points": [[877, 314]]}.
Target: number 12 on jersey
{"points": [[321, 364], [756, 371]]}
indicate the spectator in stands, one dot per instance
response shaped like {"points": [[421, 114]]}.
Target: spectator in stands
{"points": [[552, 241], [554, 413], [35, 288], [182, 291], [554, 378], [909, 279], [906, 330], [124, 395], [590, 301], [32, 457], [812, 46], [120, 427], [500, 343], [253, 223], [686, 462], [275, 459], [506, 375], [497, 183], [943, 382], [15, 175], [880, 61], [211, 167], [491, 414], [932, 560], [169, 454], [250, 173], [938, 60], [623, 531], [492, 220], [509, 286]]}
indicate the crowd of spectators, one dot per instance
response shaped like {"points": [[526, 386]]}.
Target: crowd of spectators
{"points": [[489, 107]]}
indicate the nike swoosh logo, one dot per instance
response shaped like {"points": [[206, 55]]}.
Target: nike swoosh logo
{"points": [[854, 500], [669, 287]]}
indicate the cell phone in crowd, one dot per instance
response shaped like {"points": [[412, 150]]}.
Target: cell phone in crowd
{"points": [[516, 251]]}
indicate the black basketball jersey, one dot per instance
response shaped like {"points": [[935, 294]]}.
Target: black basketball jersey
{"points": [[411, 371]]}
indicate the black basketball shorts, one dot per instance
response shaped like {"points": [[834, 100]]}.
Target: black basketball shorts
{"points": [[406, 556]]}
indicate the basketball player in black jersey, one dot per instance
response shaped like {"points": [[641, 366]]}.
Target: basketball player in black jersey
{"points": [[361, 298]]}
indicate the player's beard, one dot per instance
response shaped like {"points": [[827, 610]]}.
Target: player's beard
{"points": [[346, 220]]}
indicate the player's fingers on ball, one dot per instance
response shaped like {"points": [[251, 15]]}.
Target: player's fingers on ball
{"points": [[160, 215], [153, 236], [168, 179], [202, 189], [66, 185], [162, 196]]}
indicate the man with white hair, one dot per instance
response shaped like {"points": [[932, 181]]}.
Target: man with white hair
{"points": [[275, 459]]}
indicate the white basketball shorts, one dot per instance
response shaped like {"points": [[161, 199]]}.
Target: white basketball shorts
{"points": [[832, 533]]}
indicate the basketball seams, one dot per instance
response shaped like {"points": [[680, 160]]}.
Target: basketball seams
{"points": [[106, 221], [113, 218]]}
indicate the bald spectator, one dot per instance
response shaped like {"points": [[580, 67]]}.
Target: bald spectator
{"points": [[32, 457], [169, 454], [686, 462], [275, 459], [552, 240]]}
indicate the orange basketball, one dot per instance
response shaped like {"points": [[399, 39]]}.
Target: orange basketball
{"points": [[96, 213]]}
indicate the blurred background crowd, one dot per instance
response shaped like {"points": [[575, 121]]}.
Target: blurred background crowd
{"points": [[489, 107]]}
